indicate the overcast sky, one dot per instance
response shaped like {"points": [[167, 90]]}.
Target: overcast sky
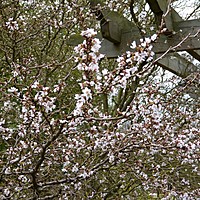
{"points": [[185, 8]]}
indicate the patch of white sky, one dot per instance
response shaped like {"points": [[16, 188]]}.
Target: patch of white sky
{"points": [[186, 8]]}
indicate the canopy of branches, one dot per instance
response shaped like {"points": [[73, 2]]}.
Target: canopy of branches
{"points": [[76, 125]]}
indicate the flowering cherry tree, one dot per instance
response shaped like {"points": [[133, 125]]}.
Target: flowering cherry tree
{"points": [[75, 125]]}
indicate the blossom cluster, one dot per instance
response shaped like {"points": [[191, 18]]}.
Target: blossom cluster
{"points": [[12, 25], [131, 65], [88, 62]]}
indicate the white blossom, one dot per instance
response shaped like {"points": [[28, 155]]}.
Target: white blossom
{"points": [[96, 45], [90, 32], [35, 85], [12, 24], [154, 37], [12, 90], [75, 169], [133, 45]]}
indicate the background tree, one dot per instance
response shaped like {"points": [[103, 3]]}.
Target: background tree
{"points": [[75, 125]]}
